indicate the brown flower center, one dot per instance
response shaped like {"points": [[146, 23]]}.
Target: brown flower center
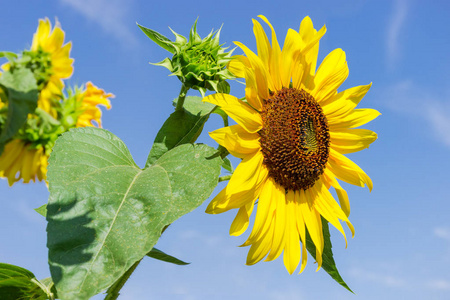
{"points": [[294, 139]]}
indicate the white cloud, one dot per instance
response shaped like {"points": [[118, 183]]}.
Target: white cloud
{"points": [[424, 103], [442, 232], [207, 240], [111, 15], [394, 29], [438, 116], [379, 278], [439, 284]]}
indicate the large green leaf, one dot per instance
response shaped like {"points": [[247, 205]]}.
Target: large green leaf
{"points": [[104, 213], [158, 38], [159, 255], [183, 126], [21, 90], [19, 283], [328, 263]]}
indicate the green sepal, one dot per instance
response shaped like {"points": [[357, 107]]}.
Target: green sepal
{"points": [[227, 165], [179, 40], [20, 88], [158, 38], [19, 283], [104, 213], [166, 63], [8, 55], [328, 263], [159, 255], [182, 127]]}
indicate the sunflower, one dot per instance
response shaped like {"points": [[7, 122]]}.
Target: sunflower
{"points": [[50, 62], [21, 160], [292, 131], [54, 61], [88, 101]]}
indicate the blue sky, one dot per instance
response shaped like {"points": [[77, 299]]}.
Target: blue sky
{"points": [[402, 245]]}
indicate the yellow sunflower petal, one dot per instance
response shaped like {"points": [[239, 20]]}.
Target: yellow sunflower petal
{"points": [[241, 190], [331, 74], [262, 44], [56, 39], [41, 34], [260, 248], [236, 140], [342, 194], [43, 162], [344, 102], [275, 58], [279, 224], [240, 222], [251, 89], [26, 161], [351, 140], [328, 208], [290, 47], [266, 207], [313, 223], [243, 114], [291, 256], [263, 78], [310, 37], [237, 65], [300, 222], [247, 173], [10, 154], [346, 170], [354, 119]]}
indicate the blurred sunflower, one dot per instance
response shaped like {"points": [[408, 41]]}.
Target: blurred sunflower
{"points": [[25, 157], [50, 62], [291, 134], [87, 102], [20, 160]]}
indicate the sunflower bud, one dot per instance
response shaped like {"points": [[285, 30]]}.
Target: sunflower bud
{"points": [[199, 63]]}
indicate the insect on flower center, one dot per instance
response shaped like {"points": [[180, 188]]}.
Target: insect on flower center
{"points": [[294, 139]]}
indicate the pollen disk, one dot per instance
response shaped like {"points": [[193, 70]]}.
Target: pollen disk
{"points": [[295, 138]]}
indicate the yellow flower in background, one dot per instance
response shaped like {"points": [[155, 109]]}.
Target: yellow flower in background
{"points": [[54, 62], [20, 161], [50, 62], [291, 134], [88, 101]]}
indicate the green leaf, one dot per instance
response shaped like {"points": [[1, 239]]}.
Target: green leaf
{"points": [[21, 89], [182, 127], [42, 210], [104, 213], [158, 38], [328, 263], [227, 165], [19, 283], [158, 254]]}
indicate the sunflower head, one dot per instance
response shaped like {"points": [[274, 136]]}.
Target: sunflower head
{"points": [[21, 160], [199, 63], [80, 108], [291, 133], [49, 61]]}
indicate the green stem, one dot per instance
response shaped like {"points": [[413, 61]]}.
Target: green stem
{"points": [[181, 97], [113, 292], [224, 178], [46, 289]]}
